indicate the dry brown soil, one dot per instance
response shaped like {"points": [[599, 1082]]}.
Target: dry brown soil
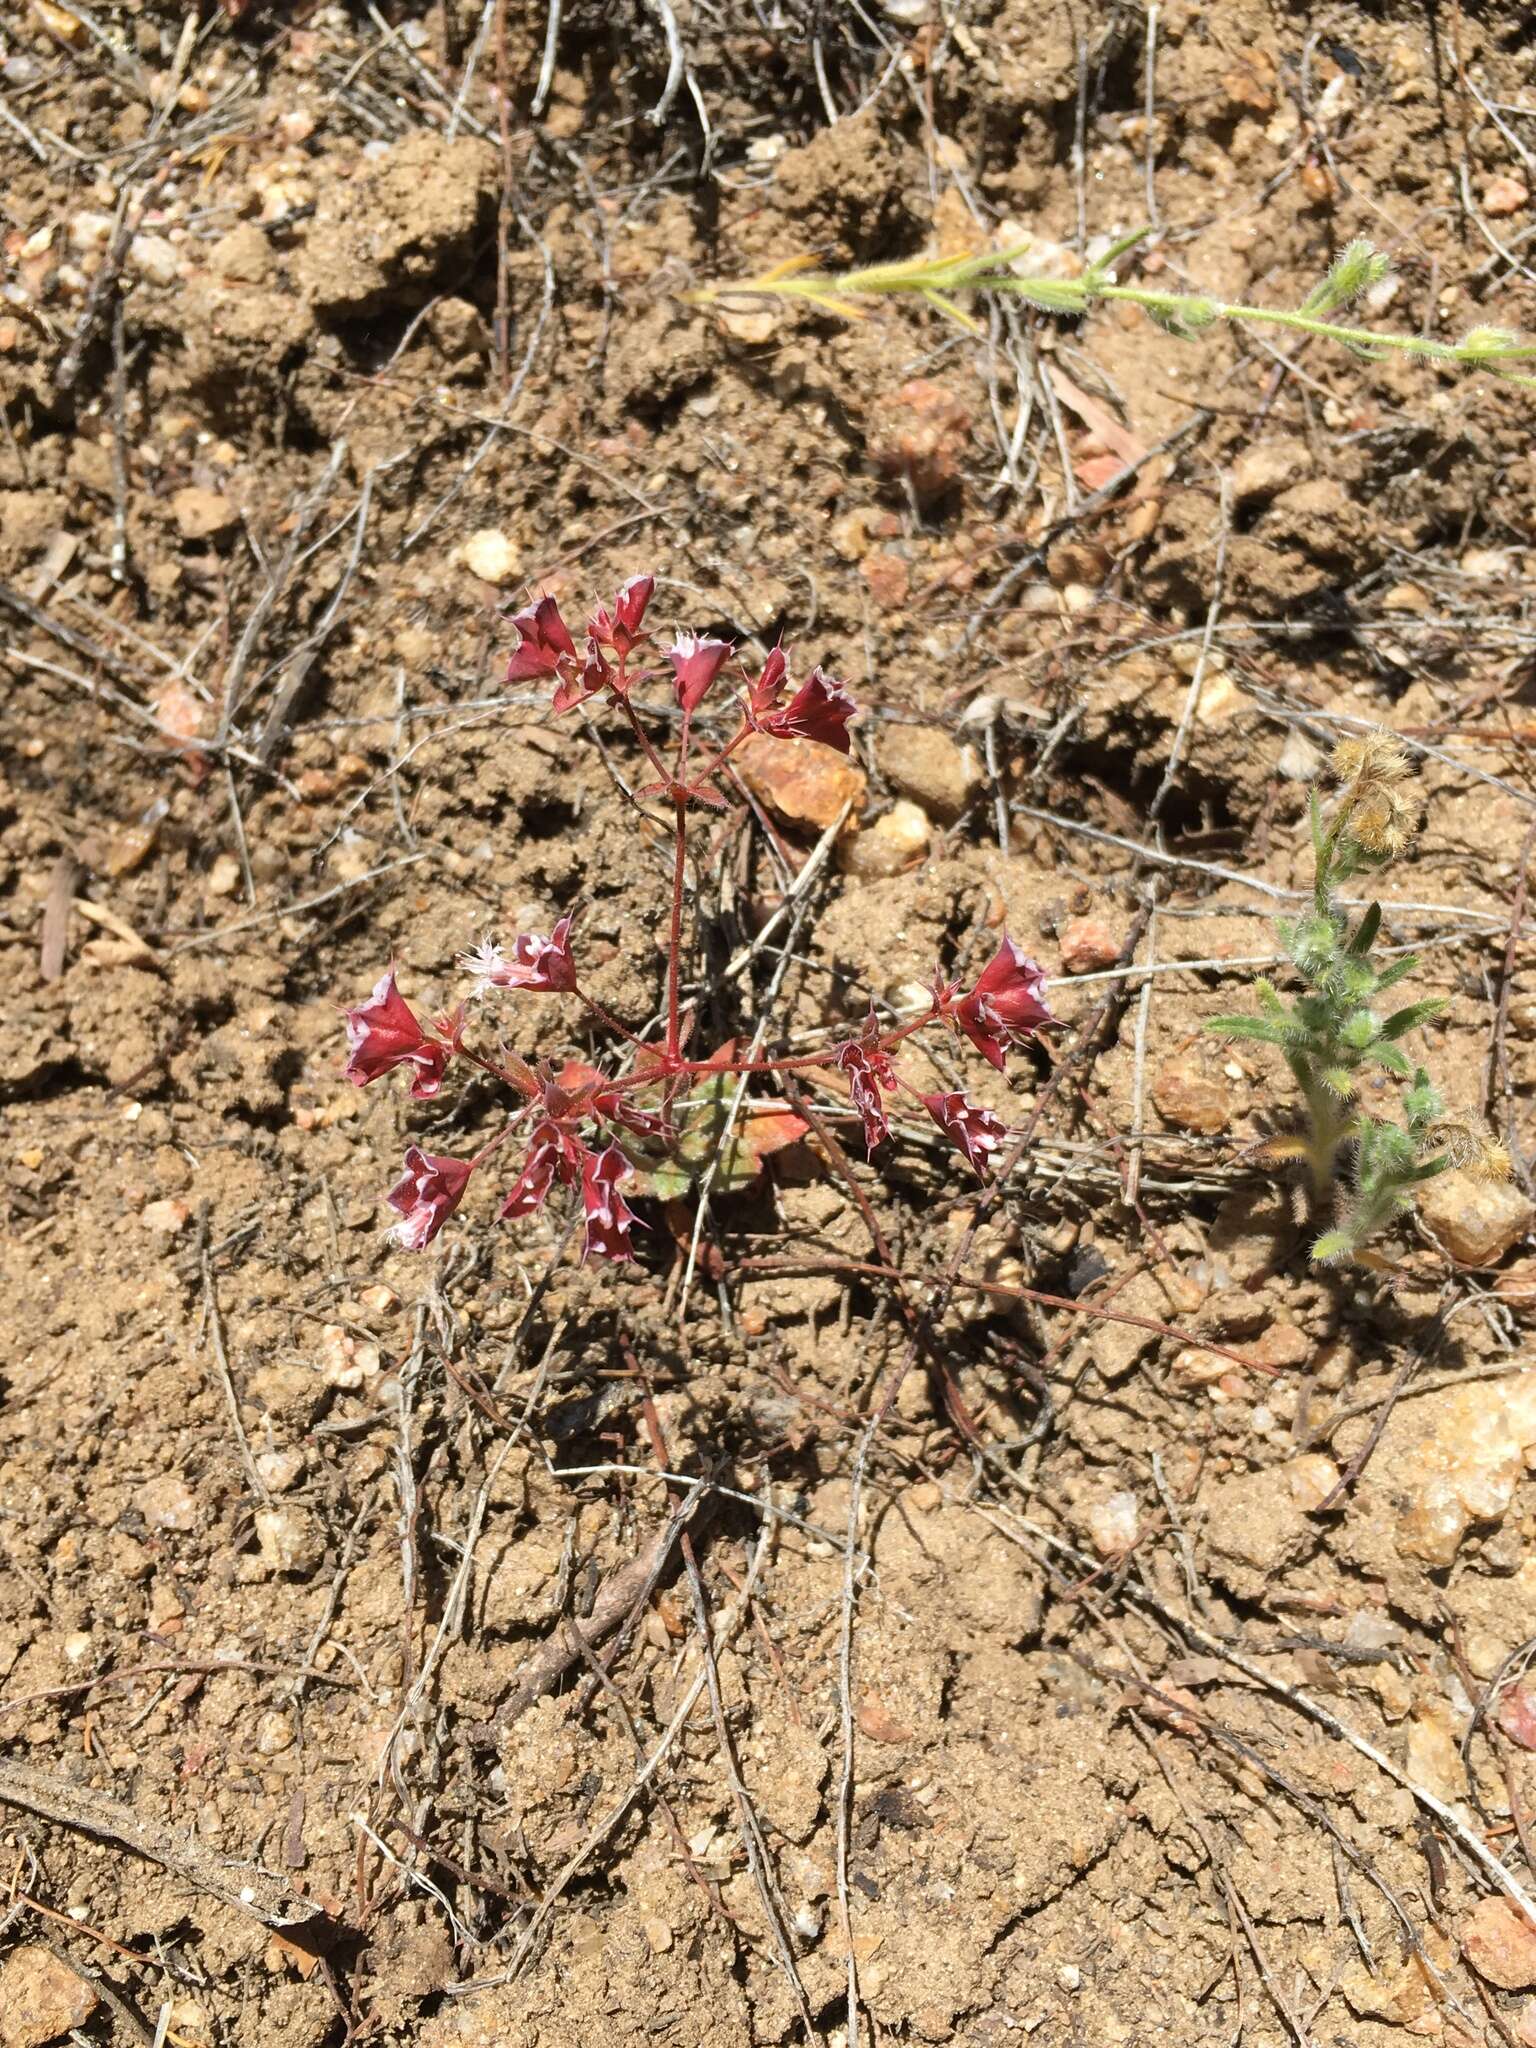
{"points": [[1136, 1744]]}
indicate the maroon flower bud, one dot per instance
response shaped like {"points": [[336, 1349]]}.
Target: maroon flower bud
{"points": [[536, 962], [869, 1070], [383, 1034], [695, 664], [974, 1130], [1005, 1007], [426, 1195], [620, 628], [769, 687], [609, 1217], [544, 642], [551, 1151], [595, 675], [619, 1108], [819, 710]]}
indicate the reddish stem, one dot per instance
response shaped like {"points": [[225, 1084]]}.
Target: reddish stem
{"points": [[675, 938]]}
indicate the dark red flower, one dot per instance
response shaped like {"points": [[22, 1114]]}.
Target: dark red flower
{"points": [[552, 1151], [695, 664], [544, 642], [869, 1070], [620, 628], [609, 1217], [819, 710], [976, 1131], [536, 963], [426, 1195], [769, 687], [575, 686], [383, 1034], [1005, 1007]]}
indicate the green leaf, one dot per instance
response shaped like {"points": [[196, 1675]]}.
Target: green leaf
{"points": [[1416, 1013], [1331, 1247], [1400, 970], [1393, 1059], [1366, 930], [1270, 1031]]}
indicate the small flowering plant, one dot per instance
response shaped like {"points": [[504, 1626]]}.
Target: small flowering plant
{"points": [[591, 1130], [1332, 1035]]}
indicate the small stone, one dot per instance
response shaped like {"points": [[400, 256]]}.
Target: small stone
{"points": [[801, 781], [920, 432], [1114, 1524], [1300, 760], [746, 324], [1433, 1757], [1254, 1528], [457, 328], [203, 515], [1516, 1713], [1500, 1944], [1088, 946], [1475, 1220], [154, 258], [90, 230], [289, 1538], [167, 1502], [224, 875], [895, 842], [278, 1470], [1504, 195], [1265, 470], [168, 1216], [1407, 597], [887, 578], [658, 1935], [925, 764], [850, 532], [346, 1360], [1311, 1479], [1399, 1995], [1189, 1095], [489, 554], [243, 256], [129, 848], [274, 1734], [41, 1999]]}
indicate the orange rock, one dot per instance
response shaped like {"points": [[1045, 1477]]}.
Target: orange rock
{"points": [[1500, 1944], [801, 781], [920, 432], [1505, 195], [1189, 1095], [888, 580], [1088, 946]]}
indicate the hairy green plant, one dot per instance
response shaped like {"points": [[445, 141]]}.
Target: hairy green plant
{"points": [[1333, 1035], [937, 280]]}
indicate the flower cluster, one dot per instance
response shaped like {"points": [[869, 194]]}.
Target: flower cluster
{"points": [[579, 1127]]}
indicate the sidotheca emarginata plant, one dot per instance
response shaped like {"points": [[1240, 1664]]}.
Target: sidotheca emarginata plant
{"points": [[1333, 1033]]}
